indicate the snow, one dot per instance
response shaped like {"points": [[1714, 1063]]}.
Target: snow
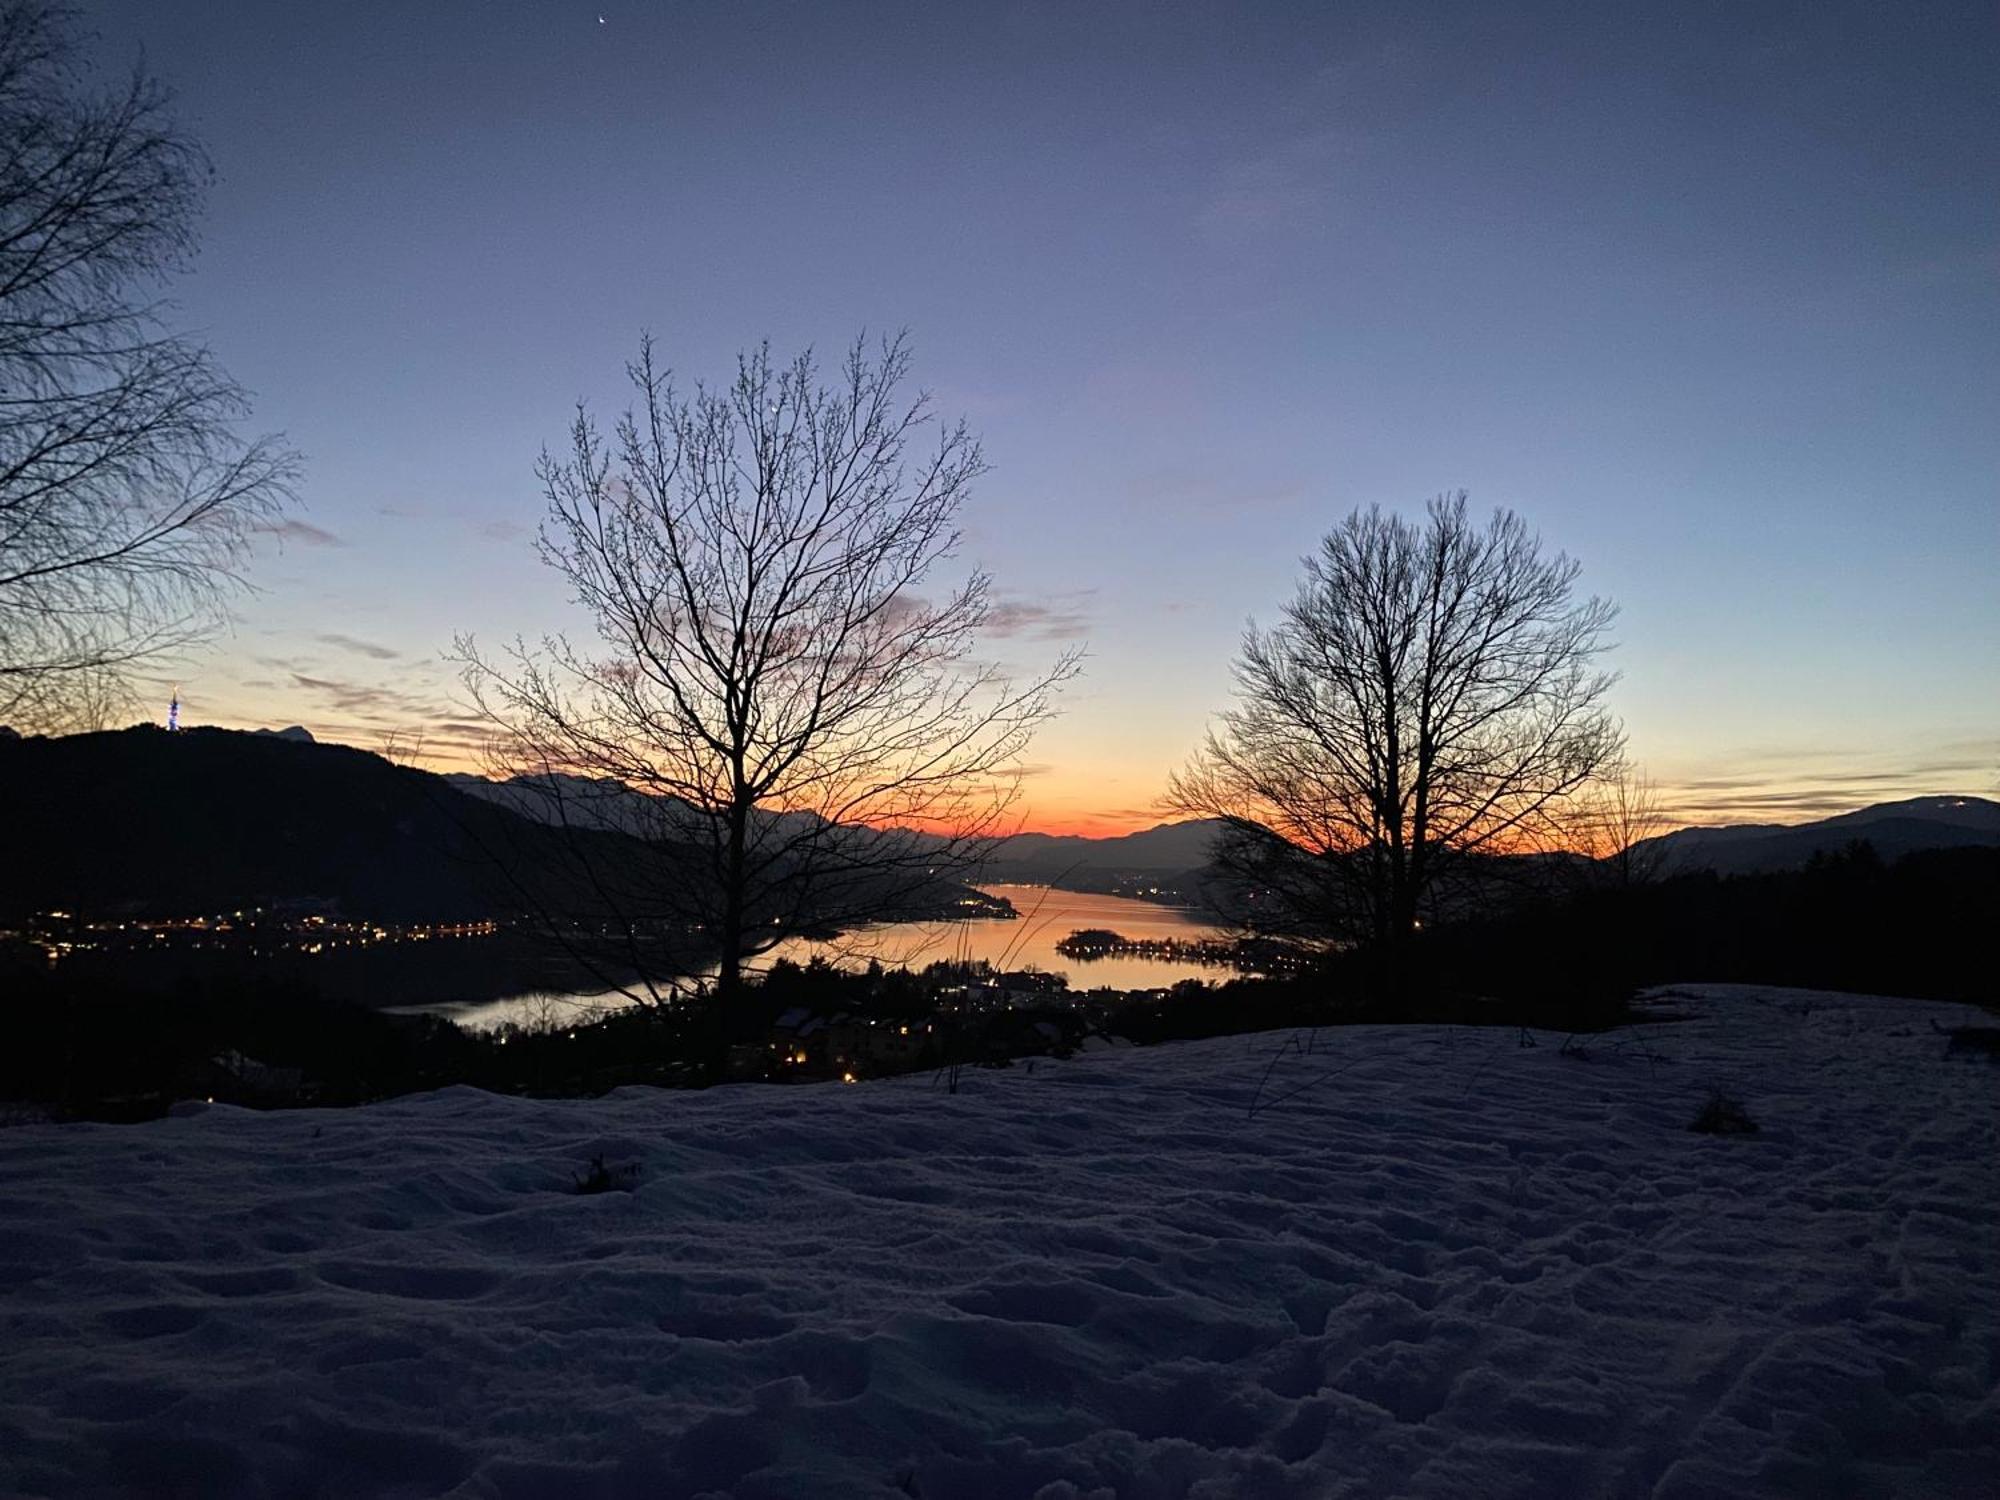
{"points": [[1431, 1262]]}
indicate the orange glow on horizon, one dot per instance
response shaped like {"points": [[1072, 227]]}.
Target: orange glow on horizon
{"points": [[1109, 795]]}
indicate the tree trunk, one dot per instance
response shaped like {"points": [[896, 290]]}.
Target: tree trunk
{"points": [[1399, 959], [729, 976]]}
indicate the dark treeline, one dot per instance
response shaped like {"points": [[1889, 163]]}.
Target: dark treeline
{"points": [[1919, 927], [1565, 961], [81, 1048], [1573, 956]]}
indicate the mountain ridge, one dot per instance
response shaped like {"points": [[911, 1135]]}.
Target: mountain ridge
{"points": [[211, 817], [1892, 829], [1175, 852]]}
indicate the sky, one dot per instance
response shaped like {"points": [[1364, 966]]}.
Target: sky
{"points": [[1709, 293]]}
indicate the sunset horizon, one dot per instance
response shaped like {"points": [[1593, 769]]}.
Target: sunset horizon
{"points": [[1699, 803]]}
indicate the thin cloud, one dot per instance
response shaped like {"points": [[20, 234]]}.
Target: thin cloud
{"points": [[1061, 618], [369, 702], [291, 529], [470, 730], [1201, 489], [489, 528], [1853, 779], [359, 647], [1779, 783]]}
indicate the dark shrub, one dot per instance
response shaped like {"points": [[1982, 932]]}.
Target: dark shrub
{"points": [[1723, 1114]]}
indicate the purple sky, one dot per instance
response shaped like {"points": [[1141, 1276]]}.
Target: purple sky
{"points": [[1711, 294]]}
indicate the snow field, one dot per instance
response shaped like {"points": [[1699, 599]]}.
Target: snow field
{"points": [[1439, 1264]]}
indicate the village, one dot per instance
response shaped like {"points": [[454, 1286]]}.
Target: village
{"points": [[308, 925]]}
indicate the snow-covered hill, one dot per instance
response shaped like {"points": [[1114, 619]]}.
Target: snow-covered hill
{"points": [[1433, 1263]]}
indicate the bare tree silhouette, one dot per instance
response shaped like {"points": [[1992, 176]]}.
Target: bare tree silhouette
{"points": [[1621, 822], [802, 736], [1430, 694], [126, 500]]}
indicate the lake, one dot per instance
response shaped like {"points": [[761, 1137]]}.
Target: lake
{"points": [[1047, 917]]}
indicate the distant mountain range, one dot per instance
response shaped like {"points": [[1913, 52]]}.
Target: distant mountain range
{"points": [[1029, 858], [210, 819], [1893, 829], [1171, 859], [152, 823], [600, 803]]}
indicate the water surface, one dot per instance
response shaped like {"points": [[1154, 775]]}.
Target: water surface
{"points": [[1047, 917]]}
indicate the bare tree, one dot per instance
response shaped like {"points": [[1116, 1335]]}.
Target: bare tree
{"points": [[1430, 695], [1621, 824], [801, 737], [403, 747], [126, 500]]}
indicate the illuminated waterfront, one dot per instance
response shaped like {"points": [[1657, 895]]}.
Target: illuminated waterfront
{"points": [[1047, 916]]}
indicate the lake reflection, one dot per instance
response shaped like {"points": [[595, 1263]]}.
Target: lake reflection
{"points": [[1047, 917]]}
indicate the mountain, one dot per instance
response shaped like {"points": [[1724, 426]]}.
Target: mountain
{"points": [[1167, 847], [214, 820], [1957, 812], [1169, 855], [1033, 857], [1174, 855], [1893, 829], [577, 801], [1168, 862], [206, 820], [556, 798]]}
